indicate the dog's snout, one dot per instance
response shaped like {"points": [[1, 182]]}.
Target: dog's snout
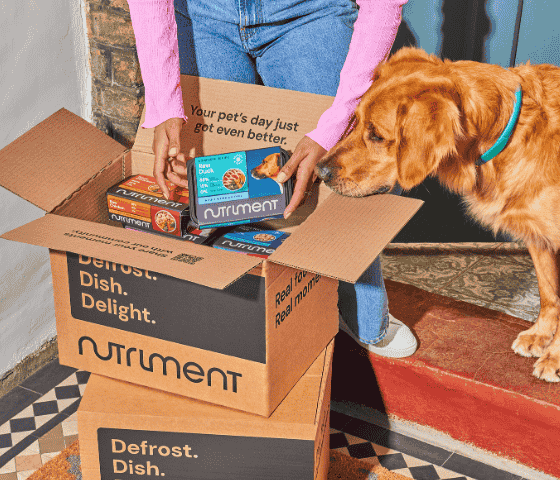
{"points": [[324, 172]]}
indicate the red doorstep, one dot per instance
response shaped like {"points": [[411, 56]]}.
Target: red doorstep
{"points": [[464, 380]]}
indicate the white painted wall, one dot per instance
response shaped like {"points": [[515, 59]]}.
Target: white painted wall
{"points": [[43, 67]]}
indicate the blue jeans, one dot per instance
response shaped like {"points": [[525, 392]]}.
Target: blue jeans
{"points": [[290, 44], [364, 306]]}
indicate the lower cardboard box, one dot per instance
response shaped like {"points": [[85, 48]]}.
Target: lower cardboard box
{"points": [[127, 430]]}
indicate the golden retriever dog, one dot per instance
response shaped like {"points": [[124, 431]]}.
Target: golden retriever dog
{"points": [[426, 117]]}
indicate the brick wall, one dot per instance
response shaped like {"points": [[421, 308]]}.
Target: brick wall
{"points": [[118, 91]]}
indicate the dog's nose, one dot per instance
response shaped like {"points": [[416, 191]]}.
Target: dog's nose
{"points": [[323, 172]]}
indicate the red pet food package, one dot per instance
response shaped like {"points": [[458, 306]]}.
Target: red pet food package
{"points": [[251, 240], [138, 202]]}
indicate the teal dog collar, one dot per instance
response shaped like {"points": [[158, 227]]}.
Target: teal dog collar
{"points": [[506, 134]]}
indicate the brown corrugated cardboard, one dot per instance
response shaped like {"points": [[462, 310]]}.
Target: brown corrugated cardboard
{"points": [[350, 218], [41, 165], [243, 347], [214, 127], [229, 328], [128, 430], [210, 267]]}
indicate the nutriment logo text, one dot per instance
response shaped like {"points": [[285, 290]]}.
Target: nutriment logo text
{"points": [[191, 371], [267, 207]]}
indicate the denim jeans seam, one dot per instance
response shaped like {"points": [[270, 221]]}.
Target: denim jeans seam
{"points": [[259, 18], [383, 330]]}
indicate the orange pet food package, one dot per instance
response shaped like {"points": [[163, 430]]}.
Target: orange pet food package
{"points": [[138, 202]]}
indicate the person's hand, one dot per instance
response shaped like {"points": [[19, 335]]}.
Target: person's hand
{"points": [[306, 155], [170, 162]]}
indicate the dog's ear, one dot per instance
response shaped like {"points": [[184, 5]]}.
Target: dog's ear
{"points": [[427, 129]]}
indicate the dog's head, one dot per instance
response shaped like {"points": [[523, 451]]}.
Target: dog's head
{"points": [[405, 125], [268, 168]]}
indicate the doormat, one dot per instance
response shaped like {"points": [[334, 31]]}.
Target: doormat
{"points": [[344, 467], [66, 466]]}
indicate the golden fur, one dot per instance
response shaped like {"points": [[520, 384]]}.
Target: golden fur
{"points": [[427, 117]]}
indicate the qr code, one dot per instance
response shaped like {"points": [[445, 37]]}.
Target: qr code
{"points": [[186, 258]]}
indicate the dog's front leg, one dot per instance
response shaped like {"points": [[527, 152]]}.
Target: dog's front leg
{"points": [[548, 366], [543, 338]]}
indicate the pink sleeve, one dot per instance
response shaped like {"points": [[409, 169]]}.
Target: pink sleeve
{"points": [[155, 30], [375, 30]]}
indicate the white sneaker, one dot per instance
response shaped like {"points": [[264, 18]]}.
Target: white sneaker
{"points": [[398, 342]]}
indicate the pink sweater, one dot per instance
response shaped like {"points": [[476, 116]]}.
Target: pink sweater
{"points": [[156, 42]]}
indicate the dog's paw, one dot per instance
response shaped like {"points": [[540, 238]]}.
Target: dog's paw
{"points": [[529, 344], [548, 367]]}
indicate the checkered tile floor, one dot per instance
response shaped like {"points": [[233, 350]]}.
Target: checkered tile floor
{"points": [[393, 460], [38, 420], [410, 457]]}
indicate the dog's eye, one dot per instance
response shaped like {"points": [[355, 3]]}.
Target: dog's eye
{"points": [[372, 134]]}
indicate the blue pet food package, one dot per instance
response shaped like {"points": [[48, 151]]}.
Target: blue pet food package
{"points": [[238, 187], [251, 240]]}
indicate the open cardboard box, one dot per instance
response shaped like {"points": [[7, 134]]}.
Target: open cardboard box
{"points": [[127, 430], [218, 326]]}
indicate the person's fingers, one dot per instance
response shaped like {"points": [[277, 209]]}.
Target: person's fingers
{"points": [[179, 166], [291, 165], [306, 149], [168, 156], [287, 172], [306, 155], [302, 187], [173, 128], [160, 147], [161, 168], [177, 172]]}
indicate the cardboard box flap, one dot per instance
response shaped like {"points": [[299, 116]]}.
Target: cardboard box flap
{"points": [[55, 158], [363, 226], [185, 260]]}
